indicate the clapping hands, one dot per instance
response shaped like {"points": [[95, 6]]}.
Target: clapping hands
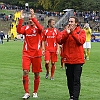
{"points": [[31, 12]]}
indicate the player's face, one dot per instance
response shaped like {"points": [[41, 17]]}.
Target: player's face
{"points": [[72, 23], [31, 22], [52, 24]]}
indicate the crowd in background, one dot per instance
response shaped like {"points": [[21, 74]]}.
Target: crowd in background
{"points": [[87, 15]]}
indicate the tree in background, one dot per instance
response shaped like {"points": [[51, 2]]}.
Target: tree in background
{"points": [[58, 5]]}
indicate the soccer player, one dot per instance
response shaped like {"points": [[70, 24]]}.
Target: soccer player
{"points": [[61, 55], [87, 44], [31, 52], [61, 49], [50, 47], [73, 38]]}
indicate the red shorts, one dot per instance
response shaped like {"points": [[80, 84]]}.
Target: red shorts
{"points": [[36, 63], [51, 56]]}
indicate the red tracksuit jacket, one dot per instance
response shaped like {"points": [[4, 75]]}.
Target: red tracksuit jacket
{"points": [[73, 52]]}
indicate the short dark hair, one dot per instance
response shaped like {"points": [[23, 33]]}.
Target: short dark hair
{"points": [[49, 21], [76, 19]]}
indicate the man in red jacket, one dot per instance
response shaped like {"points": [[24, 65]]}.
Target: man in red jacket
{"points": [[73, 38], [31, 52]]}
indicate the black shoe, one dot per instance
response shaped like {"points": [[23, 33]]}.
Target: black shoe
{"points": [[46, 76], [71, 98]]}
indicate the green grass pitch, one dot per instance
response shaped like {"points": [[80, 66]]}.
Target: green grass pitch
{"points": [[11, 87]]}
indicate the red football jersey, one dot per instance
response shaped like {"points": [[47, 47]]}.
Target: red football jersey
{"points": [[32, 42], [50, 39]]}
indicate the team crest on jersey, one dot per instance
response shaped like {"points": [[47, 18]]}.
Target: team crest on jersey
{"points": [[34, 31]]}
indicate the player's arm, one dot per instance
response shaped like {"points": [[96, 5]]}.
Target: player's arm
{"points": [[90, 31], [39, 26], [80, 38], [43, 47], [58, 48], [20, 28], [63, 35], [43, 42]]}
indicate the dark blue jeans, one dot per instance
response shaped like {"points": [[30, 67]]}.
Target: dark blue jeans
{"points": [[73, 73]]}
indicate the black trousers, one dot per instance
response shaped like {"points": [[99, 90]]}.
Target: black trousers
{"points": [[73, 73]]}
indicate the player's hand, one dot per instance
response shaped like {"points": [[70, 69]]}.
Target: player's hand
{"points": [[72, 27], [32, 13], [60, 46], [57, 52], [68, 29], [21, 14]]}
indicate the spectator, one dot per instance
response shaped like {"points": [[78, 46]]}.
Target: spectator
{"points": [[1, 37]]}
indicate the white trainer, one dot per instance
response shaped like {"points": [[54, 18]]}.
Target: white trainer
{"points": [[26, 96], [35, 95]]}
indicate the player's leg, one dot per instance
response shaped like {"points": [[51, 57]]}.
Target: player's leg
{"points": [[2, 41], [77, 82], [26, 81], [85, 52], [70, 79], [36, 84], [26, 84], [53, 67], [47, 60], [62, 64], [26, 68], [88, 53], [47, 69], [61, 56], [36, 69], [88, 50]]}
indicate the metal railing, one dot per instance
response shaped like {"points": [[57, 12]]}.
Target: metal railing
{"points": [[64, 18]]}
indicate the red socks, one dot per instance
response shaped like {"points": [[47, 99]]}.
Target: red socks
{"points": [[36, 83], [52, 70], [26, 83]]}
